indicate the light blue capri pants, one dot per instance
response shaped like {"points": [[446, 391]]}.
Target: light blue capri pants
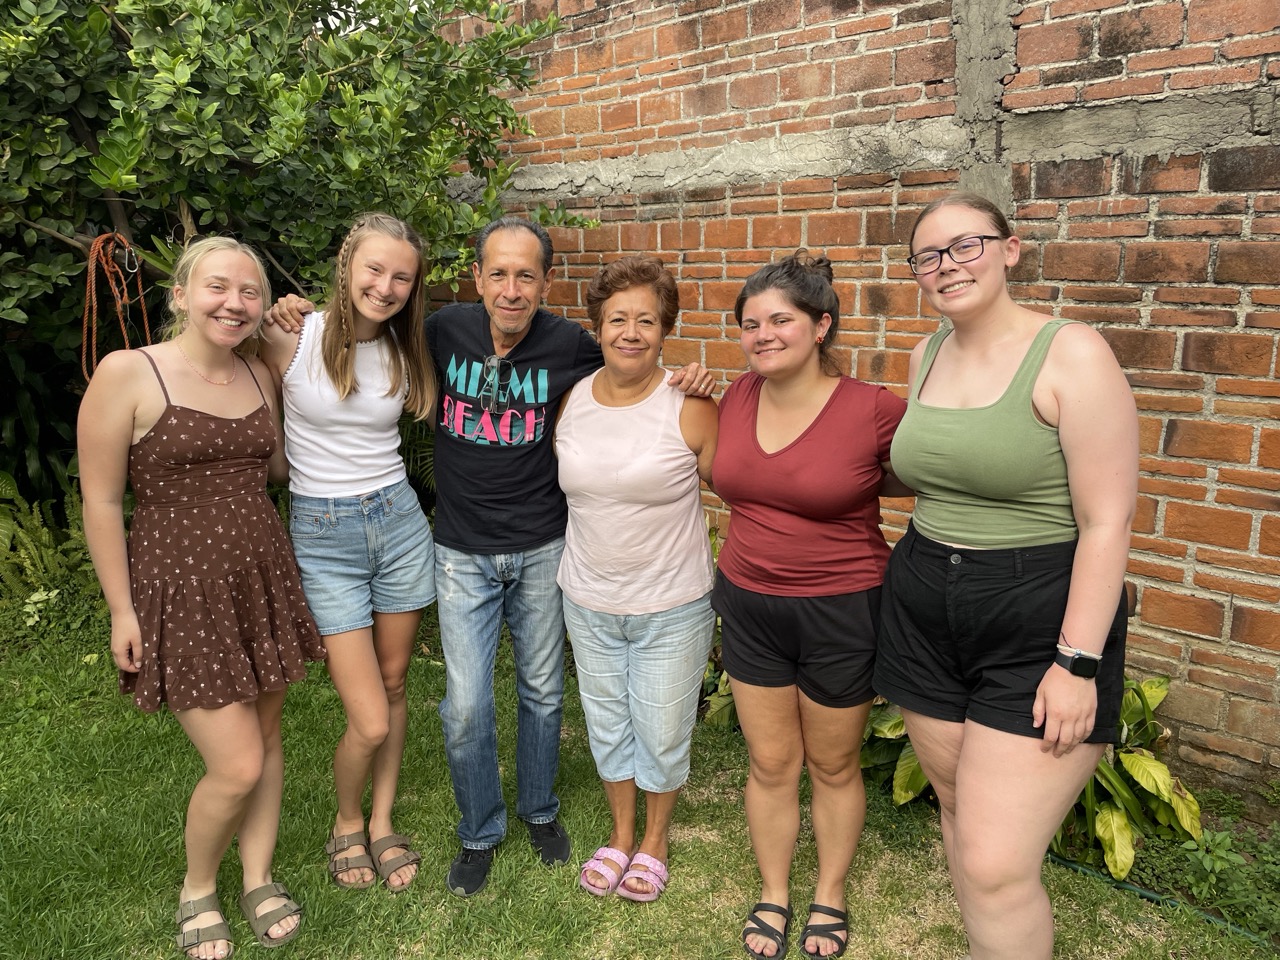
{"points": [[639, 677]]}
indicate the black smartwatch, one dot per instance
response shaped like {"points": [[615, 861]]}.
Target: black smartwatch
{"points": [[1076, 665]]}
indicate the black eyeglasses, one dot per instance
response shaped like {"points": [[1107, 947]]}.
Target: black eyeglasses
{"points": [[962, 251], [496, 388]]}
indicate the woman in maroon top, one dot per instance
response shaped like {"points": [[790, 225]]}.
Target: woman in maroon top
{"points": [[801, 460]]}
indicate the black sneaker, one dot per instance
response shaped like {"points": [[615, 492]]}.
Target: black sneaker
{"points": [[469, 871], [550, 840]]}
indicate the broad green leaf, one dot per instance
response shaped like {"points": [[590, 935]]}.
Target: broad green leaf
{"points": [[1116, 836], [1187, 809], [908, 777], [1150, 773]]}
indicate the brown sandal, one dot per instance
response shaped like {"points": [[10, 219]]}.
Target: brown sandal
{"points": [[386, 868], [188, 940], [339, 865], [249, 903]]}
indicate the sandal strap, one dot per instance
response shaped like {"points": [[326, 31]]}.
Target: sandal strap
{"points": [[392, 840], [252, 899], [193, 938], [828, 931], [841, 915], [190, 908], [606, 860], [337, 844], [649, 869], [756, 925]]}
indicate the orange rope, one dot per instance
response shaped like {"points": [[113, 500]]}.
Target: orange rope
{"points": [[102, 256]]}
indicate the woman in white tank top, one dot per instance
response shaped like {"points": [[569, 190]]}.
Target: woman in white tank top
{"points": [[636, 571], [363, 543]]}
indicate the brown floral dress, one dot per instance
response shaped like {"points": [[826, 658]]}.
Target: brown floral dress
{"points": [[215, 584]]}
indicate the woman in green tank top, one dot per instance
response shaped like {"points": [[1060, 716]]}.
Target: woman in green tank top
{"points": [[1003, 619]]}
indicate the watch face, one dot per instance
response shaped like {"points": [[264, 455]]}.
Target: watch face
{"points": [[1084, 667]]}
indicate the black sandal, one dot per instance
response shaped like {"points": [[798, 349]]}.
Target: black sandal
{"points": [[757, 926], [826, 931]]}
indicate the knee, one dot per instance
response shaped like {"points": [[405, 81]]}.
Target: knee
{"points": [[775, 770], [239, 777], [369, 728], [394, 687], [835, 772], [990, 875]]}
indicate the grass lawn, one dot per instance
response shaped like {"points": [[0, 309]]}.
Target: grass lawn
{"points": [[92, 795]]}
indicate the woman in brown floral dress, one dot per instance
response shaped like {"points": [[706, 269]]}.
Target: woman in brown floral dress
{"points": [[207, 610]]}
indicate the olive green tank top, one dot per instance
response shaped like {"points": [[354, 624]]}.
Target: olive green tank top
{"points": [[989, 477]]}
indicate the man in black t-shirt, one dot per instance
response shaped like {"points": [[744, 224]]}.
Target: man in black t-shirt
{"points": [[500, 520]]}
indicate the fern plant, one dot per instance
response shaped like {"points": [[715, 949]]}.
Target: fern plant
{"points": [[40, 554]]}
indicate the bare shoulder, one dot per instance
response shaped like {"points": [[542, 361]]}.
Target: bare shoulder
{"points": [[123, 373]]}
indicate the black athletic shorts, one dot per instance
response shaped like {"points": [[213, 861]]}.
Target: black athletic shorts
{"points": [[969, 634], [826, 646]]}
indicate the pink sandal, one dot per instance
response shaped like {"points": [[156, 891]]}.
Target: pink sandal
{"points": [[651, 871], [607, 868]]}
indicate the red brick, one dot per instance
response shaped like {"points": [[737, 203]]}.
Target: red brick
{"points": [[805, 82], [1248, 499], [1128, 87], [1198, 228], [1209, 525], [834, 229], [721, 29], [760, 90], [1155, 174], [1216, 742], [726, 234], [618, 116], [882, 366], [1249, 261], [1269, 536], [1229, 683], [775, 232], [1232, 664], [1166, 261], [1081, 261], [1192, 318], [1195, 79], [1219, 205], [1103, 293], [1072, 178], [890, 299], [1239, 354], [1181, 612], [1204, 440], [774, 16], [1151, 28], [1193, 705], [925, 63], [1251, 47], [872, 71], [1197, 295], [725, 355], [1177, 57], [1245, 563], [1257, 721], [1065, 42], [1269, 449], [1216, 19], [1038, 98], [1150, 349], [1108, 228]]}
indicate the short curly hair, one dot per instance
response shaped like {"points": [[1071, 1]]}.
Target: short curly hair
{"points": [[634, 272]]}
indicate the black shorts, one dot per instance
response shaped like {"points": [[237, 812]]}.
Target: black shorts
{"points": [[826, 646], [969, 634]]}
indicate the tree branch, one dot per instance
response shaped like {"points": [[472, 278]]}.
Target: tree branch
{"points": [[285, 273], [74, 242]]}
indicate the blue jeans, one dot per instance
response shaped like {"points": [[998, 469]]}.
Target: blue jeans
{"points": [[476, 592], [640, 677]]}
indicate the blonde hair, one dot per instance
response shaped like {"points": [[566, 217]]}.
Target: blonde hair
{"points": [[183, 270], [411, 359]]}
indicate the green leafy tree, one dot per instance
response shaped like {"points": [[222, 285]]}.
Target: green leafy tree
{"points": [[273, 120]]}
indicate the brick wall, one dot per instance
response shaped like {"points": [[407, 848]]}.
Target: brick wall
{"points": [[1137, 144]]}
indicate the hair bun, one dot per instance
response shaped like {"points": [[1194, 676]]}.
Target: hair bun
{"points": [[819, 265]]}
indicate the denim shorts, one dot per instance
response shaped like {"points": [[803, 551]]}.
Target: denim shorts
{"points": [[363, 555], [826, 646], [969, 634], [639, 677]]}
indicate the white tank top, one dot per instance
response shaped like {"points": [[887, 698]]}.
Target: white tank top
{"points": [[341, 448], [637, 540]]}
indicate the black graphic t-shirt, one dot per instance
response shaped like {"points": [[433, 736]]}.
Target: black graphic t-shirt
{"points": [[495, 466]]}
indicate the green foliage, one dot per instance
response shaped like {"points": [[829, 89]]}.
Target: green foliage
{"points": [[1132, 794], [276, 122], [418, 447], [1212, 857], [40, 558]]}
